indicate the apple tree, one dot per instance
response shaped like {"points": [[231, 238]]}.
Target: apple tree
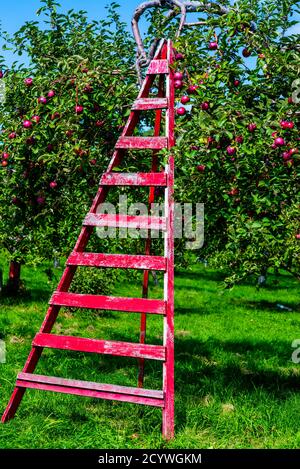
{"points": [[60, 118], [238, 124]]}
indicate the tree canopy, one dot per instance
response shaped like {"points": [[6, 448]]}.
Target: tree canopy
{"points": [[59, 121]]}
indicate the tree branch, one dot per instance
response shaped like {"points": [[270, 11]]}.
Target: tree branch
{"points": [[135, 27], [176, 7], [197, 23]]}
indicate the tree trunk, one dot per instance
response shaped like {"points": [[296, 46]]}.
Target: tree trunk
{"points": [[14, 278]]}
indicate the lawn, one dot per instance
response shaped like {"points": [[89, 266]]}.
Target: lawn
{"points": [[236, 385]]}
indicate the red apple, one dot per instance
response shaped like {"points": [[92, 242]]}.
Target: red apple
{"points": [[246, 52], [12, 135], [192, 89], [279, 142], [5, 156], [88, 89], [93, 161], [179, 56], [79, 151], [297, 236], [178, 84], [4, 163], [239, 139], [236, 82], [178, 76], [42, 100], [282, 125], [53, 184], [55, 115], [234, 191], [40, 200], [231, 150], [99, 123], [30, 141], [205, 106], [293, 151], [252, 127], [27, 124], [181, 111], [78, 109], [36, 119], [201, 168], [286, 156], [213, 45], [28, 81], [69, 133], [51, 93], [185, 99]]}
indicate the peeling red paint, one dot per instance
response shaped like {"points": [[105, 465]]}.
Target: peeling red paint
{"points": [[62, 297]]}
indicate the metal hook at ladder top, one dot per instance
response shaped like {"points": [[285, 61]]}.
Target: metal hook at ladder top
{"points": [[160, 66]]}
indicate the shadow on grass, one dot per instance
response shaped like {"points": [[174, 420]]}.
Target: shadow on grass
{"points": [[207, 275], [241, 372], [200, 310], [27, 297], [202, 289], [265, 305], [274, 282], [199, 372], [199, 363]]}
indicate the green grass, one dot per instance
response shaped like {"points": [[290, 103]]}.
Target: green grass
{"points": [[236, 386]]}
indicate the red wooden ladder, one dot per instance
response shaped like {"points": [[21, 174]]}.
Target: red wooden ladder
{"points": [[164, 102]]}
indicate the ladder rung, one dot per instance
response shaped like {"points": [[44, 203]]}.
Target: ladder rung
{"points": [[134, 179], [141, 143], [111, 303], [91, 389], [119, 261], [145, 104], [79, 344], [158, 66], [125, 221]]}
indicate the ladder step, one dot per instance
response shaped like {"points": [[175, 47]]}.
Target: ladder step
{"points": [[141, 143], [119, 261], [91, 389], [158, 67], [125, 221], [105, 347], [145, 104], [134, 179], [111, 303]]}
